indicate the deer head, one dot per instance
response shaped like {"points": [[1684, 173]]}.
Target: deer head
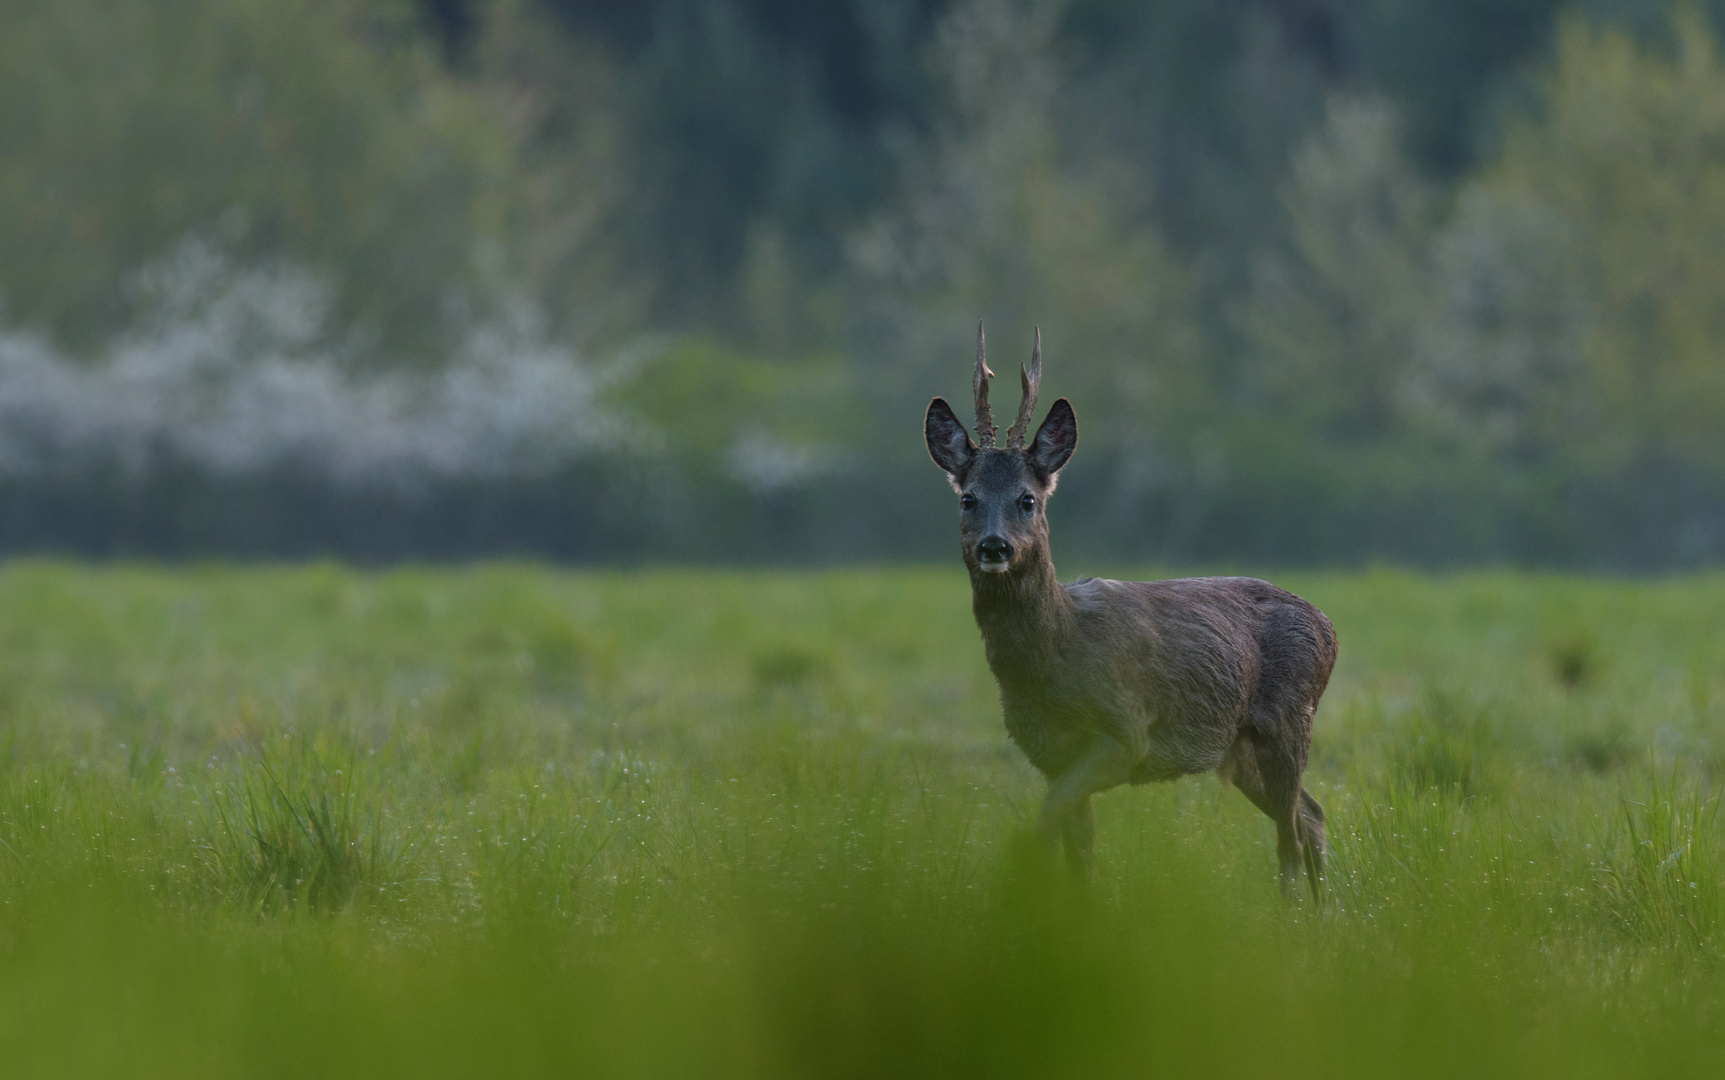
{"points": [[1002, 492]]}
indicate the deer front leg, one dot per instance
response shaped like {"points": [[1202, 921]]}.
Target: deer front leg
{"points": [[1066, 811], [1078, 833]]}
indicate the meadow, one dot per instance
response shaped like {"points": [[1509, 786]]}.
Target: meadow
{"points": [[508, 820]]}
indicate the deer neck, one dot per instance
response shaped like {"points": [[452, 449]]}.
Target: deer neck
{"points": [[1025, 617]]}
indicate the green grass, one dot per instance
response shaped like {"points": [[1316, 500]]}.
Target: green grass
{"points": [[511, 821]]}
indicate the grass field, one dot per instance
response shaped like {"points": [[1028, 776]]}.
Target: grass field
{"points": [[512, 821]]}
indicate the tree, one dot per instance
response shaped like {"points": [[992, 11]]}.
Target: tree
{"points": [[1334, 312], [1001, 218], [1627, 161], [320, 132]]}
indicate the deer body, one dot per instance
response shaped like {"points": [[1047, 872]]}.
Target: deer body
{"points": [[1109, 682]]}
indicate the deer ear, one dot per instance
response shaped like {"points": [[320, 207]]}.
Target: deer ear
{"points": [[1055, 440], [948, 443]]}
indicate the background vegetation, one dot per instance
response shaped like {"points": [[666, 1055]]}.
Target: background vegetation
{"points": [[436, 822], [1435, 283], [672, 281]]}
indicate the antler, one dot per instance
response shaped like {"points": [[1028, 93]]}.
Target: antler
{"points": [[979, 384], [1032, 379]]}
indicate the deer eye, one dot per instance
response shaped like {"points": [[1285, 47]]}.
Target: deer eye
{"points": [[967, 500], [1027, 502]]}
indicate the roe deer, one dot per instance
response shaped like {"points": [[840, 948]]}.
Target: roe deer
{"points": [[1111, 682]]}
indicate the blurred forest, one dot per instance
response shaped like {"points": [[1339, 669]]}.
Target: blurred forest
{"points": [[1408, 280]]}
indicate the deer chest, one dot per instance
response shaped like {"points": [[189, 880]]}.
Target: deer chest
{"points": [[1053, 732]]}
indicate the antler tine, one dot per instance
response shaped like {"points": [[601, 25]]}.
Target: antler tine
{"points": [[1031, 378], [979, 385]]}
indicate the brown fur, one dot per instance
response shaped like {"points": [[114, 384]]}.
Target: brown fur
{"points": [[1110, 682]]}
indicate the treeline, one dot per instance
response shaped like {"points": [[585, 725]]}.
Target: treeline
{"points": [[1427, 282]]}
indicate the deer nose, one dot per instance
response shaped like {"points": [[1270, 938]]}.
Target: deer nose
{"points": [[994, 549]]}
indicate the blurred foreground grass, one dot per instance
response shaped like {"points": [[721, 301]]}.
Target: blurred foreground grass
{"points": [[511, 821]]}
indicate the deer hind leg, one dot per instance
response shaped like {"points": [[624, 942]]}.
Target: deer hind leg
{"points": [[1066, 812], [1314, 839], [1270, 778]]}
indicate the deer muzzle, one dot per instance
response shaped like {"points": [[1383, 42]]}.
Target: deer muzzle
{"points": [[994, 555]]}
